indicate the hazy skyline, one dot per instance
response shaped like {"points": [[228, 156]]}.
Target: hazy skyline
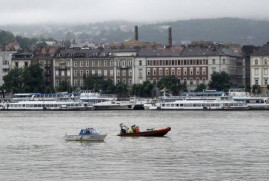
{"points": [[148, 11]]}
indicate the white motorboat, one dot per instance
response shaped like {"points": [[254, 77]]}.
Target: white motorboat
{"points": [[88, 134], [114, 105], [90, 98]]}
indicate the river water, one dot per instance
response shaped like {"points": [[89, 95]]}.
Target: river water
{"points": [[202, 145]]}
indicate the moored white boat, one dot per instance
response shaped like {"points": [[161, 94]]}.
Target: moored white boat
{"points": [[114, 105], [90, 98], [222, 103], [45, 105]]}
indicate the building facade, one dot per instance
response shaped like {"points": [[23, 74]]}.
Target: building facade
{"points": [[21, 60], [5, 64], [193, 65], [259, 67]]}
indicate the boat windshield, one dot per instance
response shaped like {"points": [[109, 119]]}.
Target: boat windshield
{"points": [[88, 131]]}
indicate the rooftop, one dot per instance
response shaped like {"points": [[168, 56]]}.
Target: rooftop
{"points": [[264, 50]]}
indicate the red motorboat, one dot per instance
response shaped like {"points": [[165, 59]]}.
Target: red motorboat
{"points": [[148, 132]]}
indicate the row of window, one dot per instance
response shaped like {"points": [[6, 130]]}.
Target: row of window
{"points": [[265, 81], [98, 63], [176, 62], [257, 62], [173, 70], [257, 71], [81, 82], [129, 81], [191, 81], [26, 64], [214, 61], [67, 73]]}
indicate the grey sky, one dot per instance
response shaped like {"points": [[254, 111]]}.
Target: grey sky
{"points": [[87, 11]]}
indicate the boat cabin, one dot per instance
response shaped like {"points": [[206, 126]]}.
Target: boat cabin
{"points": [[88, 131]]}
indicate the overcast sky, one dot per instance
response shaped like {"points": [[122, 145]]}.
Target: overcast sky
{"points": [[89, 11]]}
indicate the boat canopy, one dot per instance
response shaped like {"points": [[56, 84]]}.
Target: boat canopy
{"points": [[88, 131]]}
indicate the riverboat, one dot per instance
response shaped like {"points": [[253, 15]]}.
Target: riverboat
{"points": [[54, 105], [222, 103], [254, 103], [88, 134], [114, 105], [90, 98], [40, 96]]}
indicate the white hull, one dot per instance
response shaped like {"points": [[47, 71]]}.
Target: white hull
{"points": [[258, 106], [85, 137], [45, 105], [114, 105], [200, 105]]}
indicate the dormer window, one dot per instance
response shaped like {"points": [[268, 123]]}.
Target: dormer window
{"points": [[256, 61]]}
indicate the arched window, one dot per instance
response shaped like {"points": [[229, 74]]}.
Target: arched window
{"points": [[265, 61], [256, 61]]}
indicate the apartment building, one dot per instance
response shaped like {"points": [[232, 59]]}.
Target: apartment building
{"points": [[193, 65], [21, 60], [259, 66], [74, 65], [5, 64]]}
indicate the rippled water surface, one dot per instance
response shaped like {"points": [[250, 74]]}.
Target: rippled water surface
{"points": [[202, 145]]}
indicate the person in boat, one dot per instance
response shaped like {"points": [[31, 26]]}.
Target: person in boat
{"points": [[131, 129], [123, 128], [134, 129]]}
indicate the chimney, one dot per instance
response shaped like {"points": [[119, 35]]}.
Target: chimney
{"points": [[170, 37], [136, 33]]}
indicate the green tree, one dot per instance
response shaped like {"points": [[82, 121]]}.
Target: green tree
{"points": [[137, 90], [147, 88], [64, 86], [171, 83], [14, 80], [108, 86], [94, 82], [26, 43], [256, 89], [6, 37], [200, 88], [41, 44], [97, 83], [121, 89], [220, 81], [33, 78], [49, 89], [142, 90]]}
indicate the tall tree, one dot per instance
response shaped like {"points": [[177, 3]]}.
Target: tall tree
{"points": [[26, 43], [97, 83], [220, 81], [121, 89], [142, 90], [256, 89], [200, 88], [64, 86], [13, 81], [6, 37], [171, 83], [33, 78]]}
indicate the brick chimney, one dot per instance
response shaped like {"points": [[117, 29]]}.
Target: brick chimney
{"points": [[136, 33], [170, 37]]}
